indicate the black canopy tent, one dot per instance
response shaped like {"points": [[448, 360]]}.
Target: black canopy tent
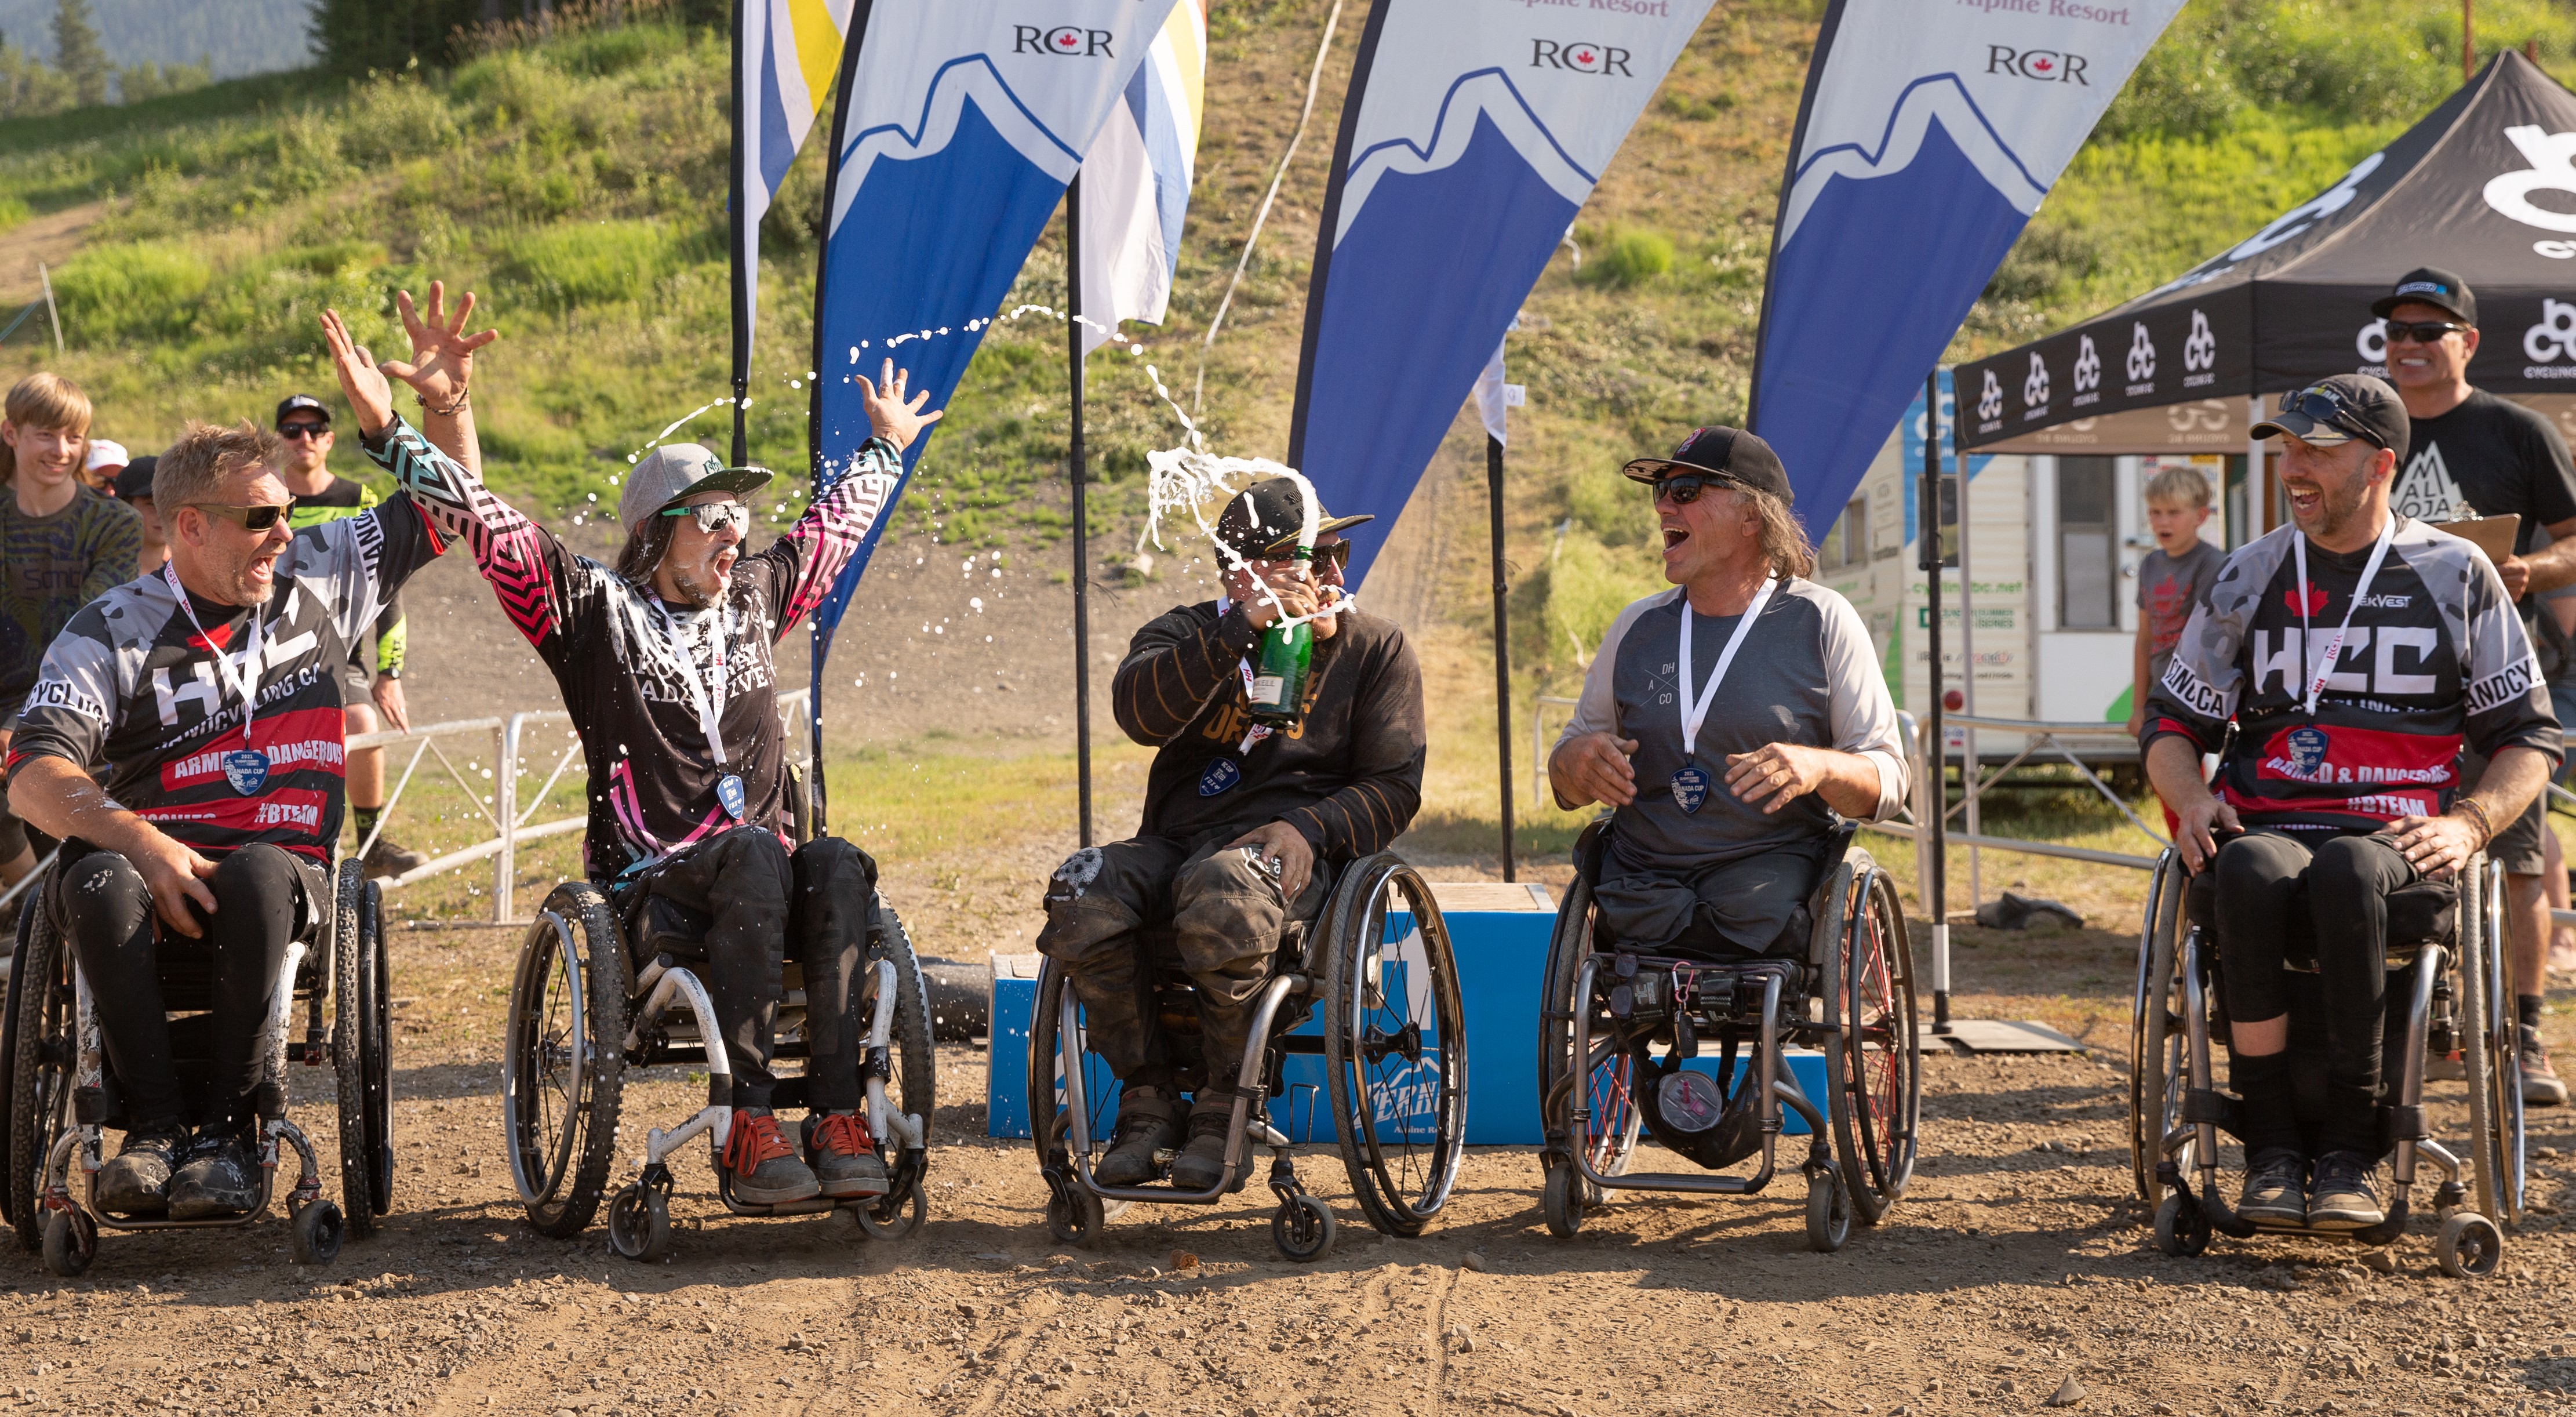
{"points": [[2485, 186]]}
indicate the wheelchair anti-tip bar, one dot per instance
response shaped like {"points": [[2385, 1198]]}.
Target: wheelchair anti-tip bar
{"points": [[883, 1119], [716, 1118]]}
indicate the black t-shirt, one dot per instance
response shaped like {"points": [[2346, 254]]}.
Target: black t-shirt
{"points": [[2490, 456]]}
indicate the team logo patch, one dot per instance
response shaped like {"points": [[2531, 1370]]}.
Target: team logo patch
{"points": [[1221, 776], [246, 770], [2307, 748]]}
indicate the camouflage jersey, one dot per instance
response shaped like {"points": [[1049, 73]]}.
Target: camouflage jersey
{"points": [[49, 568]]}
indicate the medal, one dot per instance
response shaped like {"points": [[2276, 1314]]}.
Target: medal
{"points": [[1221, 775], [1690, 788], [1690, 780], [247, 767], [729, 792]]}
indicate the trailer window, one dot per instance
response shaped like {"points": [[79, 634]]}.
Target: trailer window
{"points": [[1847, 541], [2088, 562]]}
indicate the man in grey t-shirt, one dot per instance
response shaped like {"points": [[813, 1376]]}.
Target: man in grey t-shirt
{"points": [[1731, 722]]}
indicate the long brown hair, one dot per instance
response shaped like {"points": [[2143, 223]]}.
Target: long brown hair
{"points": [[43, 401], [645, 547], [1784, 542]]}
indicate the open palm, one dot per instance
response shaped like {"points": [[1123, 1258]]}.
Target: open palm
{"points": [[442, 354]]}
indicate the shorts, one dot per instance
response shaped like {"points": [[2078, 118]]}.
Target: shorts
{"points": [[2517, 846], [357, 685]]}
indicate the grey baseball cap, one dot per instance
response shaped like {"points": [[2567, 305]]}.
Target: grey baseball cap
{"points": [[675, 472]]}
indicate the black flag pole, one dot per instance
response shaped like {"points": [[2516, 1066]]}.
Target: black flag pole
{"points": [[1936, 752], [1502, 641], [1081, 527], [743, 254]]}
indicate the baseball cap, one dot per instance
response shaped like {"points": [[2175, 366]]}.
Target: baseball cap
{"points": [[104, 454], [2335, 411], [1266, 517], [1731, 453], [2430, 285], [135, 480], [305, 402], [675, 472]]}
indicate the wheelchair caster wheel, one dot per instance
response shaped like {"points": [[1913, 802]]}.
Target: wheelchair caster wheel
{"points": [[1073, 1214], [1302, 1228], [1563, 1201], [2469, 1247], [319, 1228], [71, 1242], [1829, 1212], [2182, 1227], [639, 1223], [892, 1217]]}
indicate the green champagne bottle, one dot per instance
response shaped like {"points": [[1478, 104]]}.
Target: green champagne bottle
{"points": [[1278, 694]]}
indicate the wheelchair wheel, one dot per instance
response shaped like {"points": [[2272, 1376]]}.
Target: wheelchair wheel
{"points": [[1610, 1139], [1302, 1228], [41, 1055], [1829, 1211], [563, 1060], [348, 1052], [317, 1231], [2158, 1071], [2495, 1084], [71, 1242], [2469, 1246], [639, 1223], [1562, 1201], [913, 1081], [1395, 1048], [1874, 1072], [2182, 1227], [1073, 1213], [376, 1047]]}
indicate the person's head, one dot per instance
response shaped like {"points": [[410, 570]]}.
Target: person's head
{"points": [[1723, 503], [304, 436], [2177, 504], [2432, 330], [223, 509], [2339, 440], [1261, 524], [44, 430], [134, 489], [100, 467], [685, 520]]}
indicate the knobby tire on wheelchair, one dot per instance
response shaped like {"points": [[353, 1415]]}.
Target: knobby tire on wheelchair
{"points": [[1401, 1182], [2156, 1034], [582, 1140], [913, 1059], [40, 980], [348, 1060]]}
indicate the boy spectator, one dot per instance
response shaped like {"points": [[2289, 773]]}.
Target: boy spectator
{"points": [[134, 489], [2172, 581]]}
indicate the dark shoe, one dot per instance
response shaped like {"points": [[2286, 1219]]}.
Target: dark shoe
{"points": [[765, 1169], [386, 858], [1201, 1164], [2540, 1084], [1149, 1124], [2276, 1188], [844, 1156], [220, 1179], [2344, 1198], [137, 1182]]}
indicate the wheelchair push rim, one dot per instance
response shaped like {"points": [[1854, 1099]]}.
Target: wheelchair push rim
{"points": [[1878, 1102], [2158, 1040], [1609, 1141], [1395, 1047], [562, 1064]]}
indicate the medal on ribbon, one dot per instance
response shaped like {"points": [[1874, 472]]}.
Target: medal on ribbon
{"points": [[1690, 788], [729, 792], [246, 769], [1690, 781], [1220, 776]]}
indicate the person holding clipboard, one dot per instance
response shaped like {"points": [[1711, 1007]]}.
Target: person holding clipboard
{"points": [[1728, 723]]}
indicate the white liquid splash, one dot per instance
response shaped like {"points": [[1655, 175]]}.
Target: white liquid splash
{"points": [[1190, 479]]}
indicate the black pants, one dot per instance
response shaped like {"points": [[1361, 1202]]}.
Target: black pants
{"points": [[2348, 879], [762, 898], [101, 905]]}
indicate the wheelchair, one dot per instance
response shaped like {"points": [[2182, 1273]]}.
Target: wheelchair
{"points": [[2446, 992], [582, 1014], [62, 1094], [1850, 994], [1394, 1051]]}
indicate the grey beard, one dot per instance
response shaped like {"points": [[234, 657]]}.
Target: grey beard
{"points": [[699, 597]]}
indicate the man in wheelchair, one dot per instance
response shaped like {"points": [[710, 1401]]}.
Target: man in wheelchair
{"points": [[205, 699], [1242, 826], [2355, 652], [1723, 805], [665, 662]]}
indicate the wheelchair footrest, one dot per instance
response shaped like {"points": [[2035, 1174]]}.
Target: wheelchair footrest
{"points": [[2202, 1104]]}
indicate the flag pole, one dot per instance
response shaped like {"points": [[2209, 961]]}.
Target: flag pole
{"points": [[737, 224], [1936, 752], [1502, 641], [1081, 529]]}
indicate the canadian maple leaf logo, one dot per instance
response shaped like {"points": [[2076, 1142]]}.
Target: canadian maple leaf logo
{"points": [[2315, 598]]}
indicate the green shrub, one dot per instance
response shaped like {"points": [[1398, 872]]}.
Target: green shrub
{"points": [[146, 288], [1629, 258], [591, 263]]}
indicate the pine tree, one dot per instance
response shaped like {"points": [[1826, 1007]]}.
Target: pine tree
{"points": [[78, 54]]}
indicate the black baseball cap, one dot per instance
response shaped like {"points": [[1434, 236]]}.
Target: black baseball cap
{"points": [[1264, 519], [2337, 410], [2430, 285], [1731, 453], [135, 478], [305, 402]]}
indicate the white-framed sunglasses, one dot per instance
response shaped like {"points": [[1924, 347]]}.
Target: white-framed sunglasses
{"points": [[715, 516]]}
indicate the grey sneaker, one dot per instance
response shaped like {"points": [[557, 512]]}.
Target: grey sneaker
{"points": [[387, 859], [2276, 1188], [844, 1156], [1149, 1123], [2540, 1084], [221, 1178], [2345, 1197], [137, 1181], [765, 1169], [1201, 1164]]}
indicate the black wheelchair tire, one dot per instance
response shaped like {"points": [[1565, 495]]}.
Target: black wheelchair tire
{"points": [[2157, 1028], [9, 1204], [40, 985], [1302, 1228], [914, 1059], [1049, 1127], [1568, 943], [1561, 1201], [375, 988], [70, 1244], [562, 1192], [1400, 1186], [1876, 1151], [348, 1053], [1829, 1212], [318, 1230], [2479, 1010], [2182, 1227]]}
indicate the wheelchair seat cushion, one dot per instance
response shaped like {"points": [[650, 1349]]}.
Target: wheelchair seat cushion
{"points": [[2420, 913]]}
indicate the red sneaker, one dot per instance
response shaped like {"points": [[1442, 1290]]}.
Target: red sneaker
{"points": [[765, 1169], [844, 1155]]}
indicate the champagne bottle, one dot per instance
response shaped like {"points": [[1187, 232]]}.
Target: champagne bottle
{"points": [[1278, 694]]}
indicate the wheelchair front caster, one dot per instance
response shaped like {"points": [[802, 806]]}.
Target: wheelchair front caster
{"points": [[1564, 1200], [2182, 1227], [1073, 1212], [1302, 1228], [2469, 1246], [319, 1228], [1829, 1211], [639, 1223], [892, 1217], [71, 1242]]}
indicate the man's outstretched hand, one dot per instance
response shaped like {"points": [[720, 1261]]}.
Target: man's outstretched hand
{"points": [[442, 354], [362, 383], [896, 419]]}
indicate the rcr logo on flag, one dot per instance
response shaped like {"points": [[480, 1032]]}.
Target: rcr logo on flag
{"points": [[1073, 41], [1605, 59], [2051, 66]]}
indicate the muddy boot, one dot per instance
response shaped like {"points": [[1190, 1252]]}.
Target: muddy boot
{"points": [[387, 859], [1149, 1123], [137, 1182], [765, 1169], [1201, 1164], [220, 1179], [844, 1156]]}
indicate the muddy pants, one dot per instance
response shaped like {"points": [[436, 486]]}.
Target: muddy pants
{"points": [[1225, 912]]}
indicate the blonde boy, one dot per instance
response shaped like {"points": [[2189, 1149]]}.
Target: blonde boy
{"points": [[2172, 580]]}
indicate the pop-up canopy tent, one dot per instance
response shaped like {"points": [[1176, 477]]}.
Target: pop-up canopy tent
{"points": [[2484, 186]]}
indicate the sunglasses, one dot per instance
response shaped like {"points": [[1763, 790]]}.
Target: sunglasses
{"points": [[1336, 555], [2422, 331], [2330, 407], [247, 518], [715, 516], [302, 430], [1683, 487]]}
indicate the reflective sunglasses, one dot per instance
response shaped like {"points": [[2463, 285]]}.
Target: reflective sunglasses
{"points": [[714, 516], [302, 430], [1684, 487], [2328, 406], [2422, 331], [247, 518], [1336, 555]]}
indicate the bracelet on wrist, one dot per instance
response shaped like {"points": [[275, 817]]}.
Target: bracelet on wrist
{"points": [[455, 406], [2486, 824]]}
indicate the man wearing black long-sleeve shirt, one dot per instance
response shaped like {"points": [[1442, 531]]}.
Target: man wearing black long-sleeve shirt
{"points": [[1243, 827]]}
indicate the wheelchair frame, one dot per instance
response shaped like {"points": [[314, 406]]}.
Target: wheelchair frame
{"points": [[59, 1102], [1873, 1063], [2455, 997], [1342, 961]]}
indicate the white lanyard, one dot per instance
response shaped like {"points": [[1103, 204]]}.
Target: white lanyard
{"points": [[242, 678], [710, 704], [2324, 669], [1695, 711]]}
